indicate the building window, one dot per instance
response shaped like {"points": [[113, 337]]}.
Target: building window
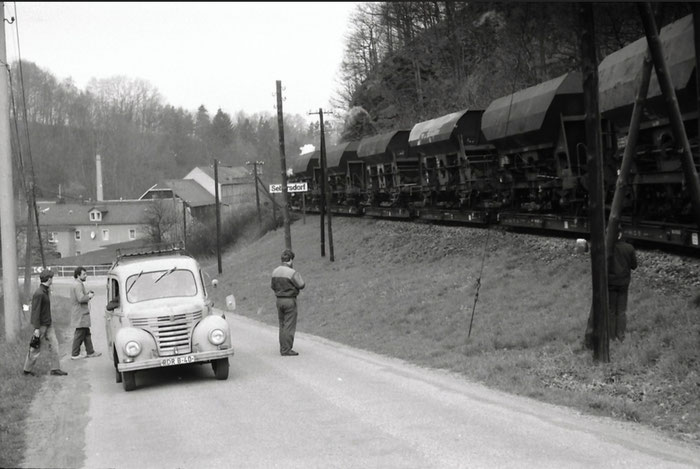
{"points": [[77, 235], [105, 235], [53, 237], [132, 234], [95, 215]]}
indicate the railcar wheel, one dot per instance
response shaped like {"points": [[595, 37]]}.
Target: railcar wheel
{"points": [[220, 368], [129, 380]]}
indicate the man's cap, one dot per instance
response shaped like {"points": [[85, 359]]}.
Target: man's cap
{"points": [[45, 275], [287, 255]]}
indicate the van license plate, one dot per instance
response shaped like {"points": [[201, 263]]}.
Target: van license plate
{"points": [[177, 360]]}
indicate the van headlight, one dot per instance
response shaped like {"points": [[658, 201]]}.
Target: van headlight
{"points": [[132, 348], [217, 336]]}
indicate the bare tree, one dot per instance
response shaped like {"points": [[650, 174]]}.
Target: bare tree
{"points": [[161, 221]]}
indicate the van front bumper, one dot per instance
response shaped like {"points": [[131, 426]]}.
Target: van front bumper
{"points": [[174, 360]]}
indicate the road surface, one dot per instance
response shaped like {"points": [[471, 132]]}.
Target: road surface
{"points": [[331, 407]]}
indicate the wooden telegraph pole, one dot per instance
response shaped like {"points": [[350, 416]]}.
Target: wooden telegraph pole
{"points": [[325, 196], [218, 214], [283, 169], [7, 227], [257, 194], [674, 112], [596, 201]]}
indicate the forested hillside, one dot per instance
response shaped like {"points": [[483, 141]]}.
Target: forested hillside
{"points": [[139, 137], [404, 62]]}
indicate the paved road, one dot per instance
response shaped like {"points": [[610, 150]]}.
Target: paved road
{"points": [[333, 406]]}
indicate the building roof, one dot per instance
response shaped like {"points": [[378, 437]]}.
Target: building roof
{"points": [[106, 255], [229, 175], [114, 212], [188, 190]]}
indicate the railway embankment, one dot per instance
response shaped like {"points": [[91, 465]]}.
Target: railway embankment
{"points": [[410, 291]]}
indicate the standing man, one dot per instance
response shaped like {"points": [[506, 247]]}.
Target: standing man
{"points": [[80, 315], [620, 264], [286, 283], [43, 327]]}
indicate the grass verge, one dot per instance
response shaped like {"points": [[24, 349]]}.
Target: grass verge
{"points": [[17, 390], [408, 291]]}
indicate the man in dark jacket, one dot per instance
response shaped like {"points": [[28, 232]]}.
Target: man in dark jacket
{"points": [[43, 327], [286, 283], [620, 264]]}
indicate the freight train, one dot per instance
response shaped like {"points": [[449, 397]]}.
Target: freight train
{"points": [[522, 162]]}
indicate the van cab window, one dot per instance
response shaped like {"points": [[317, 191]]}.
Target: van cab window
{"points": [[160, 284]]}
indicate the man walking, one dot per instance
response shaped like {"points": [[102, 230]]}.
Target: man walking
{"points": [[43, 327], [80, 315], [286, 283]]}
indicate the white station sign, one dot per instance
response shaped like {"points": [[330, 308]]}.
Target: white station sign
{"points": [[293, 187]]}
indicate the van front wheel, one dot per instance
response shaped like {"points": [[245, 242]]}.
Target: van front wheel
{"points": [[129, 380], [220, 368]]}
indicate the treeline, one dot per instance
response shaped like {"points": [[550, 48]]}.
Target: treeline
{"points": [[58, 129], [406, 62]]}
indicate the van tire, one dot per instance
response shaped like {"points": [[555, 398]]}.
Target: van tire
{"points": [[129, 380], [220, 368], [118, 375]]}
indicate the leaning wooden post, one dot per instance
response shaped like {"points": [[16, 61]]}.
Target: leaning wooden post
{"points": [[674, 112], [630, 149], [594, 151]]}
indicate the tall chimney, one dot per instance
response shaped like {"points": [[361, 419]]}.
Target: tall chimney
{"points": [[98, 171]]}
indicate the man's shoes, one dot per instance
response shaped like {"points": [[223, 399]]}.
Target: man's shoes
{"points": [[58, 373], [28, 373], [93, 355], [291, 353], [78, 357]]}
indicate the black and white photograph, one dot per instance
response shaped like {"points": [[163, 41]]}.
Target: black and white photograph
{"points": [[315, 235]]}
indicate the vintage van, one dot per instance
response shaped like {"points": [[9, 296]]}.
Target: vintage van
{"points": [[158, 314]]}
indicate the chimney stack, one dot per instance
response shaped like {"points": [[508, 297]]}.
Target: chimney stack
{"points": [[98, 170]]}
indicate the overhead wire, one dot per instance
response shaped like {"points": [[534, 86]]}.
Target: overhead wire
{"points": [[19, 143]]}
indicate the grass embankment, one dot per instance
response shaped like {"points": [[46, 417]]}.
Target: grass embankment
{"points": [[407, 290], [17, 391]]}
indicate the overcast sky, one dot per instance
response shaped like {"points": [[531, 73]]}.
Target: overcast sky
{"points": [[223, 55]]}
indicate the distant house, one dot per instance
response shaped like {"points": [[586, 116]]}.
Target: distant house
{"points": [[77, 228], [236, 184], [198, 202]]}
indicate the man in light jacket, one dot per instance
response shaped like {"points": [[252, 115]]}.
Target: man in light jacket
{"points": [[286, 283], [80, 315]]}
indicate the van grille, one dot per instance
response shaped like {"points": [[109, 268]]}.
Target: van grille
{"points": [[173, 333]]}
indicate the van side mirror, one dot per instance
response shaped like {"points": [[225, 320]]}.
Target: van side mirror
{"points": [[112, 305]]}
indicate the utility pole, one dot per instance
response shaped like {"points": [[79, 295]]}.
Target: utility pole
{"points": [[674, 112], [218, 214], [283, 169], [8, 235], [257, 194], [184, 224], [596, 201], [325, 197]]}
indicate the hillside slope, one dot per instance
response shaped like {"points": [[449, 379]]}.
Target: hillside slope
{"points": [[408, 290]]}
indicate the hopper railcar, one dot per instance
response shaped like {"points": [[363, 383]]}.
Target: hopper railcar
{"points": [[522, 162]]}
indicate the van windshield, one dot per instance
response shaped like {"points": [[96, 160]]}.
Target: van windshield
{"points": [[166, 283]]}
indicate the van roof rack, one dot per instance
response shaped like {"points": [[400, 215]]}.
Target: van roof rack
{"points": [[152, 250]]}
